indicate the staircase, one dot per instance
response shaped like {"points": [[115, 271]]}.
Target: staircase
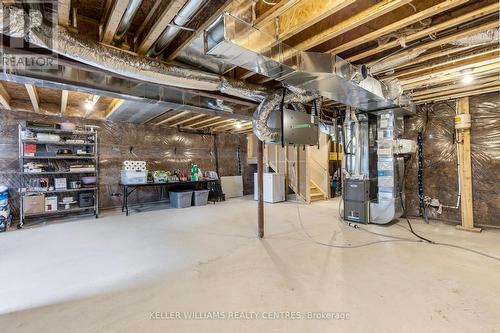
{"points": [[316, 193]]}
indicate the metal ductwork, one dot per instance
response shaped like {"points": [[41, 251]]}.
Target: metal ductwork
{"points": [[389, 63], [235, 41], [118, 61], [126, 20], [485, 37], [272, 103], [180, 20], [69, 75]]}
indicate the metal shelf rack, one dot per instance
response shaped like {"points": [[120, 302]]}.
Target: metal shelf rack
{"points": [[90, 141]]}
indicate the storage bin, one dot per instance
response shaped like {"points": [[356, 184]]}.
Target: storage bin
{"points": [[86, 199], [180, 199], [200, 197], [134, 177]]}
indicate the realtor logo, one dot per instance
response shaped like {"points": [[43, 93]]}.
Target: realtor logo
{"points": [[28, 30]]}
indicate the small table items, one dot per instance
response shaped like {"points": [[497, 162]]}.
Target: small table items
{"points": [[134, 174]]}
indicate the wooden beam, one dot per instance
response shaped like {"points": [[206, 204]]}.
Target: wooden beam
{"points": [[113, 106], [180, 122], [473, 63], [455, 96], [303, 15], [216, 123], [447, 87], [354, 21], [483, 70], [4, 97], [160, 24], [202, 122], [439, 8], [474, 56], [212, 10], [64, 101], [233, 123], [63, 12], [176, 116], [433, 29], [119, 8], [456, 89], [432, 44], [33, 97], [465, 172], [274, 12]]}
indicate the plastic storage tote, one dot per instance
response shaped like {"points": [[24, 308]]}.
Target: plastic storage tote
{"points": [[180, 199], [200, 197]]}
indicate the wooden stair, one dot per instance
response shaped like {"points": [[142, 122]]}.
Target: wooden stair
{"points": [[316, 193]]}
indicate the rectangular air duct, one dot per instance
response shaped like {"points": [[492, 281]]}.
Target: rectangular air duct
{"points": [[237, 42]]}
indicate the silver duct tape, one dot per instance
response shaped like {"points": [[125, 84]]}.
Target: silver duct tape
{"points": [[485, 37], [261, 116], [118, 61]]}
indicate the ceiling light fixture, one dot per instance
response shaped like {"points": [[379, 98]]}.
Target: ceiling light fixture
{"points": [[467, 78], [237, 125], [89, 105]]}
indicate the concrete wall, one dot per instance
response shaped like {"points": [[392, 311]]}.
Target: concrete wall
{"points": [[163, 149]]}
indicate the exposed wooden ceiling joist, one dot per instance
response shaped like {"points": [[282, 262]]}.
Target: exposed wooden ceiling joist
{"points": [[455, 89], [180, 122], [438, 42], [354, 21], [276, 10], [63, 12], [433, 29], [113, 106], [175, 116], [213, 124], [4, 97], [194, 125], [455, 68], [305, 14], [64, 101], [209, 13], [441, 7], [119, 8], [458, 95], [425, 68], [458, 84], [168, 12], [483, 70], [35, 101]]}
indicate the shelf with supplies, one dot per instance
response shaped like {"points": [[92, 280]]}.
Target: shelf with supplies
{"points": [[59, 170], [61, 190]]}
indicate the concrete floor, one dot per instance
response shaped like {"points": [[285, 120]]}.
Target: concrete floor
{"points": [[109, 274]]}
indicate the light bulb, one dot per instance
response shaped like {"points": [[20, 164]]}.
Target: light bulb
{"points": [[237, 125], [467, 79]]}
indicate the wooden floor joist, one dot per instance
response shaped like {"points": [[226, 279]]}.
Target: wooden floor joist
{"points": [[173, 117], [64, 101], [433, 29], [117, 11], [438, 42], [4, 97], [35, 101], [194, 125]]}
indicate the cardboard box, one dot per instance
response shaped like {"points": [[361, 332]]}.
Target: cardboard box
{"points": [[51, 204], [33, 204]]}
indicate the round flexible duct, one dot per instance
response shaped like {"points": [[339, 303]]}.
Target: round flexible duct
{"points": [[295, 96]]}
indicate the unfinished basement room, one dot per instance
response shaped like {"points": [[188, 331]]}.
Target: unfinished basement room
{"points": [[250, 166]]}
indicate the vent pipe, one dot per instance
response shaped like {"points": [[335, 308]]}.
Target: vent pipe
{"points": [[180, 20], [118, 61], [126, 20], [485, 37]]}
